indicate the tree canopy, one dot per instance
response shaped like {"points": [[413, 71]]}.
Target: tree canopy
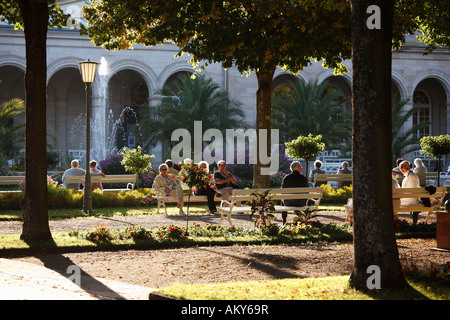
{"points": [[250, 34]]}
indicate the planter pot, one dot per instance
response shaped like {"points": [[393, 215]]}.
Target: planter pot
{"points": [[443, 230]]}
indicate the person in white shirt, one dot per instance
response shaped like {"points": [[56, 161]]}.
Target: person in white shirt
{"points": [[411, 180]]}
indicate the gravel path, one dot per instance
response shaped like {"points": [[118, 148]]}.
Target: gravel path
{"points": [[162, 267]]}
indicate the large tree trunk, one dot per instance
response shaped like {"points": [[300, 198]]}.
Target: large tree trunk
{"points": [[35, 17], [263, 113], [374, 237]]}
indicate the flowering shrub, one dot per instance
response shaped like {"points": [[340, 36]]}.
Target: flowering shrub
{"points": [[194, 177], [402, 226], [331, 195], [439, 273], [138, 232], [112, 164], [99, 234], [149, 200], [170, 232]]}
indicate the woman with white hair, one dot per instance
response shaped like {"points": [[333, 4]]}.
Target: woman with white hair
{"points": [[420, 169], [168, 184], [411, 180]]}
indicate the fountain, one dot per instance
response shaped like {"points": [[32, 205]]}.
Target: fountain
{"points": [[108, 133]]}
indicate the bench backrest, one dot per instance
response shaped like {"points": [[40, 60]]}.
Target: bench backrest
{"points": [[112, 178], [418, 193], [279, 193], [333, 177], [11, 180]]}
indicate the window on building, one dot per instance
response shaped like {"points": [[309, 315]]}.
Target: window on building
{"points": [[422, 101]]}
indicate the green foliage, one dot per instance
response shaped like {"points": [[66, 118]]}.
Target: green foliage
{"points": [[189, 100], [137, 232], [435, 146], [136, 162], [308, 107], [11, 12], [195, 177], [99, 234], [11, 135], [305, 147], [404, 141], [338, 196]]}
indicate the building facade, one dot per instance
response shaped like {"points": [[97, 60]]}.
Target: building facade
{"points": [[127, 81]]}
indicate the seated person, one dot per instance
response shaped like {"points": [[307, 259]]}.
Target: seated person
{"points": [[170, 168], [295, 179], [344, 170], [168, 184], [411, 180], [225, 182], [93, 169], [317, 166], [207, 191], [75, 170]]}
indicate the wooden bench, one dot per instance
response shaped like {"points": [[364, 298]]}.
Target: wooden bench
{"points": [[405, 193], [337, 177], [243, 195], [162, 199], [129, 179], [428, 177], [11, 180]]}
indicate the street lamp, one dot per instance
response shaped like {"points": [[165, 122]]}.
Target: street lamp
{"points": [[87, 70]]}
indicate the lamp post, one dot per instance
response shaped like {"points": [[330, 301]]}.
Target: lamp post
{"points": [[87, 70]]}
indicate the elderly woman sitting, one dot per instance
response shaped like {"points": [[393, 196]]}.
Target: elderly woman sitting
{"points": [[170, 185]]}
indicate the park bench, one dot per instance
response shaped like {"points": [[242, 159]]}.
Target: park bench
{"points": [[243, 195], [336, 177], [162, 199], [430, 177], [11, 180], [404, 193], [129, 179]]}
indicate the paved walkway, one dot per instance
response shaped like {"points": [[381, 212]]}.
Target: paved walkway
{"points": [[26, 281]]}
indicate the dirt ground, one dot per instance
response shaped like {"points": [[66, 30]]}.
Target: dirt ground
{"points": [[163, 267]]}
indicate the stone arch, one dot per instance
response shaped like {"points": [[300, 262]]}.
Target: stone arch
{"points": [[182, 66], [14, 61]]}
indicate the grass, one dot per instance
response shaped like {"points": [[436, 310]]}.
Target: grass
{"points": [[58, 214], [329, 288]]}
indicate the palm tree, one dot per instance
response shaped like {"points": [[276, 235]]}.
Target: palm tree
{"points": [[309, 107], [406, 141], [10, 134], [189, 100]]}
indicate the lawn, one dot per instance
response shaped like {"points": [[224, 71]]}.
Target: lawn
{"points": [[330, 288]]}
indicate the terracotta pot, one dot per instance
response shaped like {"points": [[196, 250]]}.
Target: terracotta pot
{"points": [[443, 230]]}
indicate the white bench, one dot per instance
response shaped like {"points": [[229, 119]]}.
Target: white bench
{"points": [[428, 177], [242, 195], [162, 199], [11, 180], [435, 199], [333, 177], [129, 179], [404, 193]]}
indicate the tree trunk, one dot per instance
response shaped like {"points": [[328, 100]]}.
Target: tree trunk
{"points": [[374, 237], [263, 112], [35, 17]]}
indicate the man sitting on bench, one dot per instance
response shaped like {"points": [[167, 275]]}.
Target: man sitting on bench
{"points": [[295, 179]]}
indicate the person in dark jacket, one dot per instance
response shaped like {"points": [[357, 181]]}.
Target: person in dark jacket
{"points": [[295, 179]]}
